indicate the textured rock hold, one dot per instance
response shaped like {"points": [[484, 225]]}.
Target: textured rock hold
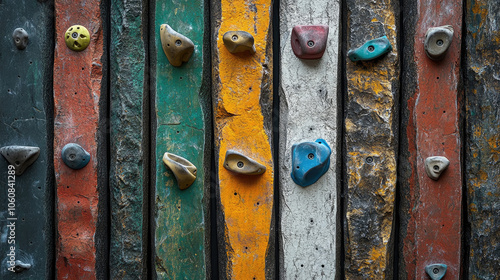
{"points": [[21, 266], [238, 41], [241, 164], [437, 41], [74, 156], [436, 271], [434, 166], [177, 47], [20, 156], [310, 160], [371, 49], [309, 41], [77, 38], [20, 37], [184, 171]]}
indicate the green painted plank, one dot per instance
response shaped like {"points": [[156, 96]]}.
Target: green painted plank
{"points": [[25, 120], [129, 139], [182, 103]]}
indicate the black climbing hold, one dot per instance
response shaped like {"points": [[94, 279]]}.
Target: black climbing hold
{"points": [[20, 156]]}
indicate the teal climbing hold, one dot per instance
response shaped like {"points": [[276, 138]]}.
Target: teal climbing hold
{"points": [[74, 156], [371, 49], [310, 160], [436, 271]]}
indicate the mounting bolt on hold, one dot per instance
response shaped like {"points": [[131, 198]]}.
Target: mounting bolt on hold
{"points": [[177, 47], [241, 164], [371, 49], [21, 157], [184, 171], [20, 38], [434, 166], [310, 160], [77, 38], [238, 41], [74, 156], [438, 41], [309, 41], [436, 271]]}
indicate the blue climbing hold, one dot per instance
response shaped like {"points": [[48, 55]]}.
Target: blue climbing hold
{"points": [[310, 160], [371, 49], [74, 156]]}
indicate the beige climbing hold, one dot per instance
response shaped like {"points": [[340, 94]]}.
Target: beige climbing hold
{"points": [[241, 164], [177, 47], [434, 166], [438, 41], [238, 41], [184, 171]]}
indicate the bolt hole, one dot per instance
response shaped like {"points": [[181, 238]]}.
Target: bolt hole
{"points": [[23, 219], [317, 249], [39, 188], [437, 78], [240, 164], [178, 43], [180, 249], [31, 242], [178, 132], [439, 42], [74, 35], [78, 27], [319, 142], [17, 40], [67, 187], [76, 93], [369, 160], [444, 112], [435, 167], [246, 248], [310, 44], [301, 265], [371, 48], [235, 37], [235, 193], [78, 202], [83, 68], [77, 234], [168, 45], [298, 167], [435, 270], [31, 62], [310, 156], [19, 76], [180, 78], [258, 203], [322, 265], [17, 162], [312, 221]]}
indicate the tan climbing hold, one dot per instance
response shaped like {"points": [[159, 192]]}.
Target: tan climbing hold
{"points": [[177, 47], [184, 171], [241, 164], [434, 166], [238, 41]]}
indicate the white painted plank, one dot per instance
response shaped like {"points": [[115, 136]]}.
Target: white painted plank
{"points": [[308, 111]]}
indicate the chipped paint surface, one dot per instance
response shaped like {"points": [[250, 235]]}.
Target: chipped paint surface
{"points": [[483, 140], [77, 91], [242, 109], [371, 116], [182, 108]]}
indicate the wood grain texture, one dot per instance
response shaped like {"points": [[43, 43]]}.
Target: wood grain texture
{"points": [[129, 139], [483, 138], [308, 111], [431, 108], [242, 94], [25, 120], [371, 143], [78, 101], [181, 218]]}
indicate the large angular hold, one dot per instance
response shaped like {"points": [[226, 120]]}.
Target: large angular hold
{"points": [[241, 164], [371, 49], [434, 166], [309, 41], [21, 157], [436, 271], [438, 41], [184, 171], [74, 156], [177, 47], [310, 160], [238, 41]]}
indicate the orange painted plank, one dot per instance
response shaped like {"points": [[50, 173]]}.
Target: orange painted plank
{"points": [[242, 94]]}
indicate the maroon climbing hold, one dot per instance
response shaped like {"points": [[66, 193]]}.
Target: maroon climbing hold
{"points": [[309, 41]]}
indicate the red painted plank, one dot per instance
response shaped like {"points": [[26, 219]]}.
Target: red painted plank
{"points": [[77, 91]]}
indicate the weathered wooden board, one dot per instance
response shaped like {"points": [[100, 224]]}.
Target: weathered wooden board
{"points": [[431, 212], [371, 117], [308, 111], [181, 218], [25, 120], [483, 138], [79, 100], [129, 139], [242, 98]]}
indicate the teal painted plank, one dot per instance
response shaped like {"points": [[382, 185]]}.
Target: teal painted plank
{"points": [[25, 116], [129, 130], [182, 113]]}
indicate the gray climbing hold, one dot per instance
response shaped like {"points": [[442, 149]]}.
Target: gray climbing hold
{"points": [[21, 266], [437, 41], [21, 157], [20, 37], [241, 164], [74, 156], [434, 166], [436, 271]]}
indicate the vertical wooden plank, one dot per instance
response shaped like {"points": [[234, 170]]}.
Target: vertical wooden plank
{"points": [[242, 94], [371, 142], [129, 139], [432, 213], [25, 120], [181, 218], [78, 100], [308, 111], [483, 137]]}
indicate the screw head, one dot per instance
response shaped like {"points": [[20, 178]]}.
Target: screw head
{"points": [[178, 42], [369, 160], [435, 270], [240, 164], [235, 37], [371, 48], [439, 42], [310, 44], [310, 156]]}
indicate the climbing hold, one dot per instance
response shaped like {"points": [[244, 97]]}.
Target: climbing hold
{"points": [[238, 41], [21, 157], [436, 271], [20, 37], [184, 171], [177, 47], [74, 156], [310, 160], [437, 41], [371, 49], [242, 164], [77, 38], [434, 166], [21, 266], [309, 41]]}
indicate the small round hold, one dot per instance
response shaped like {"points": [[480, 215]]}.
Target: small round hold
{"points": [[74, 156], [77, 38], [438, 41], [20, 37]]}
